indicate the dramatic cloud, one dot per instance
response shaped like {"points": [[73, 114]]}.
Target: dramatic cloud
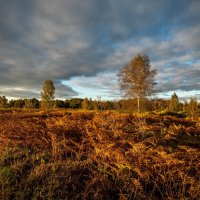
{"points": [[81, 45]]}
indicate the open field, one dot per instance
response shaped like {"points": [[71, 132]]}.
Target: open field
{"points": [[98, 155]]}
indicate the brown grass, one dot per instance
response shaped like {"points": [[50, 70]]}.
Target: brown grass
{"points": [[98, 155]]}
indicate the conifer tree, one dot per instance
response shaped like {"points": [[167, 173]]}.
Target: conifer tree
{"points": [[193, 106], [47, 94], [85, 104], [174, 105]]}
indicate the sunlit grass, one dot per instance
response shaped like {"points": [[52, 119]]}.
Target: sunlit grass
{"points": [[98, 155]]}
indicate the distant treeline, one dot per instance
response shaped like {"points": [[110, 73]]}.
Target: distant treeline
{"points": [[191, 107]]}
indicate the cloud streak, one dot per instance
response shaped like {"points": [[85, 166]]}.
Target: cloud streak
{"points": [[79, 42]]}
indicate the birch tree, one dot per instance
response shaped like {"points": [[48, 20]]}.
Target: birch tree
{"points": [[137, 79]]}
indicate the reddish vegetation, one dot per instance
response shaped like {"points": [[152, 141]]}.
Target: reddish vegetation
{"points": [[98, 155]]}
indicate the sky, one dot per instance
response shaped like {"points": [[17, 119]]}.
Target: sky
{"points": [[82, 45]]}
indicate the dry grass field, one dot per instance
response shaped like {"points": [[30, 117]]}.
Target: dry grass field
{"points": [[98, 155]]}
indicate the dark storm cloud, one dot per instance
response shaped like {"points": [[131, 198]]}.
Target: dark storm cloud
{"points": [[15, 20], [62, 39]]}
